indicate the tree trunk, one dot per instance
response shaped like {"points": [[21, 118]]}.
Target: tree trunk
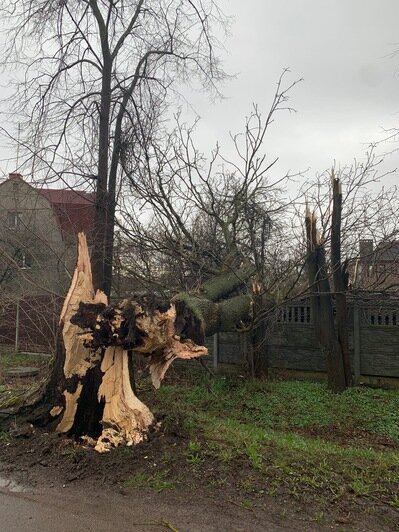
{"points": [[202, 317], [89, 393], [101, 219], [111, 204], [322, 307], [338, 278], [97, 400], [225, 284], [327, 333]]}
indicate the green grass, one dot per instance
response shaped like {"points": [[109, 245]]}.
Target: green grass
{"points": [[247, 504], [13, 390], [194, 453], [271, 426], [11, 394], [293, 405], [5, 436], [157, 482], [8, 360]]}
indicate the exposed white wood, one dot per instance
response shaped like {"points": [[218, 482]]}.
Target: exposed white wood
{"points": [[125, 419], [71, 405]]}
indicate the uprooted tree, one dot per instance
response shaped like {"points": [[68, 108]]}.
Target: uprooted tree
{"points": [[89, 393]]}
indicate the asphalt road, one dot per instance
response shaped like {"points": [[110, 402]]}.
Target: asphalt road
{"points": [[76, 509], [22, 513], [25, 509]]}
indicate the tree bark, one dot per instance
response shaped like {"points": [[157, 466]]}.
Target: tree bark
{"points": [[97, 400], [340, 287], [225, 284], [327, 332], [322, 306], [199, 317], [101, 219]]}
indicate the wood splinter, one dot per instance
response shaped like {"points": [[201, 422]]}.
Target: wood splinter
{"points": [[98, 401]]}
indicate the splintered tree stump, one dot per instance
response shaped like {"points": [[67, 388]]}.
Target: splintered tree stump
{"points": [[125, 418], [97, 399]]}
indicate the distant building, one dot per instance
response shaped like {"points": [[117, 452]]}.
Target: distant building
{"points": [[377, 267], [38, 228]]}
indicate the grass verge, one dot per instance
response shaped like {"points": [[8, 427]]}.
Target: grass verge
{"points": [[295, 436], [157, 482], [12, 389]]}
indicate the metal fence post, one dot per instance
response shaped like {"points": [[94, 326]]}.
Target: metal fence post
{"points": [[215, 351], [356, 343], [16, 347]]}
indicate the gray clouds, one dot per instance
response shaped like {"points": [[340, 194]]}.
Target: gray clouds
{"points": [[350, 91], [342, 50]]}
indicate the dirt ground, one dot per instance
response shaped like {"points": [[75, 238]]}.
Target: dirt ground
{"points": [[66, 510], [153, 483]]}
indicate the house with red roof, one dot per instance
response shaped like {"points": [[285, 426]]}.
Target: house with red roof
{"points": [[73, 209], [38, 228]]}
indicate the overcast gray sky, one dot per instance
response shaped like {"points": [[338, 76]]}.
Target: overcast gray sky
{"points": [[350, 89]]}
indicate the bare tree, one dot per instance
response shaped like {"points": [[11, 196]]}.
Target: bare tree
{"points": [[90, 67], [331, 331], [345, 211], [195, 218], [369, 213]]}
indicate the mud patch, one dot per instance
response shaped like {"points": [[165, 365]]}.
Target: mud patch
{"points": [[11, 486]]}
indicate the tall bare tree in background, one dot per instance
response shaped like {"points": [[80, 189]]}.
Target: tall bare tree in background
{"points": [[89, 67], [370, 211]]}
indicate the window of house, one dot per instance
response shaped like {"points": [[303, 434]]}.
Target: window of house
{"points": [[24, 260], [382, 269], [13, 219]]}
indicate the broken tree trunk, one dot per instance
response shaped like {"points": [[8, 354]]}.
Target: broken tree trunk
{"points": [[97, 399], [227, 283], [322, 306], [199, 317], [88, 394]]}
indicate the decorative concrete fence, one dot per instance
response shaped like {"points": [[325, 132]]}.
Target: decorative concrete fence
{"points": [[292, 345]]}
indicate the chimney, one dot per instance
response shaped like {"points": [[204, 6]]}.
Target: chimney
{"points": [[15, 175], [366, 248]]}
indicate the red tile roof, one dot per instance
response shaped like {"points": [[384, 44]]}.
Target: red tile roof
{"points": [[74, 209]]}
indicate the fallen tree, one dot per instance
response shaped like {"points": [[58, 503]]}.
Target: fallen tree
{"points": [[89, 393]]}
